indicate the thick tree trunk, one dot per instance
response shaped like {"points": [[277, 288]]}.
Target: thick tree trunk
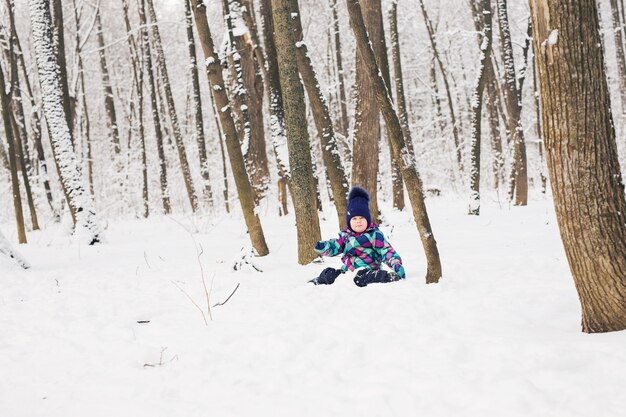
{"points": [[69, 172], [366, 136], [165, 81], [519, 175], [302, 189], [214, 73], [165, 198], [321, 114], [409, 170], [582, 156], [58, 34], [483, 9]]}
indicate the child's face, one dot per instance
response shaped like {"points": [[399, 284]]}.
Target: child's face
{"points": [[358, 224]]}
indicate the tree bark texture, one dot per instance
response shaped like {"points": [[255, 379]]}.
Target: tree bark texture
{"points": [[218, 90], [366, 137], [483, 9], [321, 115], [169, 97], [582, 156], [407, 164], [519, 177], [302, 183]]}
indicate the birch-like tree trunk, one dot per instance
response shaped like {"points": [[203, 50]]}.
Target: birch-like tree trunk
{"points": [[518, 187], [7, 249], [87, 225], [302, 189], [582, 156], [482, 9], [218, 90], [321, 114], [407, 164], [169, 97]]}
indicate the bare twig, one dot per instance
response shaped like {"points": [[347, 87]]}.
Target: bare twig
{"points": [[231, 294], [192, 301]]}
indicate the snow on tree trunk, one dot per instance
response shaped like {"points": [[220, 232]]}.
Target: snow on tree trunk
{"points": [[7, 249], [87, 225]]}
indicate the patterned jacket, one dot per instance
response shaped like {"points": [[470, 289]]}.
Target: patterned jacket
{"points": [[368, 249]]}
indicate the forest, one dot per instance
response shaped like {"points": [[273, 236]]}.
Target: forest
{"points": [[170, 157]]}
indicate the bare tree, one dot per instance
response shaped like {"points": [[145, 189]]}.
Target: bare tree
{"points": [[619, 50], [582, 156], [69, 172], [407, 164], [302, 190], [344, 125], [519, 179], [169, 97], [321, 114], [218, 90], [8, 130], [197, 105], [482, 9]]}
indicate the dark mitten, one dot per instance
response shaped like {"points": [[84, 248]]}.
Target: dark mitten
{"points": [[364, 277], [327, 276]]}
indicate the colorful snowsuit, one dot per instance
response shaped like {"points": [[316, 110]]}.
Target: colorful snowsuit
{"points": [[368, 250]]}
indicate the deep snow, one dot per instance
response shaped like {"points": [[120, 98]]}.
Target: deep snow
{"points": [[498, 336]]}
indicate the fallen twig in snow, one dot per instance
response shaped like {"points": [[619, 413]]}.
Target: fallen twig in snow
{"points": [[231, 294]]}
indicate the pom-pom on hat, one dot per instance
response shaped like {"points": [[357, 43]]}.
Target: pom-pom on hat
{"points": [[358, 205]]}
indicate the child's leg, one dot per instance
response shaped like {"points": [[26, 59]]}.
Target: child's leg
{"points": [[368, 276], [327, 276]]}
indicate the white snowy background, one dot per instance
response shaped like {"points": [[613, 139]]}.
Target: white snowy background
{"points": [[500, 335]]}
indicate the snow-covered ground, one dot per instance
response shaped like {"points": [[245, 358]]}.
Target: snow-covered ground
{"points": [[498, 336]]}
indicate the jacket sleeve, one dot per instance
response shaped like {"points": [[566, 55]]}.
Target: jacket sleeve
{"points": [[331, 247], [389, 254]]}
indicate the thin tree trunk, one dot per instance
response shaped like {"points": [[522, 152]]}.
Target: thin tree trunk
{"points": [[165, 81], [302, 190], [197, 105], [59, 50], [330, 152], [221, 142], [109, 104], [21, 141], [433, 45], [165, 199], [409, 170], [36, 129], [15, 184], [582, 156], [277, 115], [513, 104], [483, 10], [248, 96], [69, 172], [344, 125], [214, 73], [542, 161]]}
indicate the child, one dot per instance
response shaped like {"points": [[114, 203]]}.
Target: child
{"points": [[361, 246]]}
